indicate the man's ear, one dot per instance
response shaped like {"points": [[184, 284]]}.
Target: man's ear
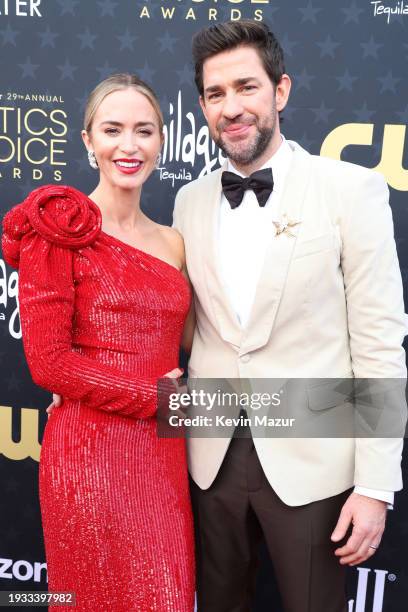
{"points": [[202, 104], [282, 91]]}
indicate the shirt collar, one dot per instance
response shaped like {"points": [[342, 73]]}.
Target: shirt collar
{"points": [[279, 162]]}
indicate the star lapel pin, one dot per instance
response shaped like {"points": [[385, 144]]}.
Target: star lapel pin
{"points": [[285, 226]]}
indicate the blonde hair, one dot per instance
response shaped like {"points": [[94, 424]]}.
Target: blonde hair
{"points": [[117, 82]]}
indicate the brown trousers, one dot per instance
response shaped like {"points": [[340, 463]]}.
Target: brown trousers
{"points": [[230, 518]]}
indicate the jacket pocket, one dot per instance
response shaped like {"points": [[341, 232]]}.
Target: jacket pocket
{"points": [[326, 242]]}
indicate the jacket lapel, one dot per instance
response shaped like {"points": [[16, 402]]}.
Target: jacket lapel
{"points": [[278, 256]]}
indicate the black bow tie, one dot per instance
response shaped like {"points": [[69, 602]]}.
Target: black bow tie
{"points": [[234, 186]]}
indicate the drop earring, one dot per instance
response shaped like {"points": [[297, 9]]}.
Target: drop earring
{"points": [[158, 161], [92, 160]]}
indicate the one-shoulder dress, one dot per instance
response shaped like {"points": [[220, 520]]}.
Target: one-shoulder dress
{"points": [[101, 324]]}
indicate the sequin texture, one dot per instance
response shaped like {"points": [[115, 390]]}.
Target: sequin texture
{"points": [[101, 323]]}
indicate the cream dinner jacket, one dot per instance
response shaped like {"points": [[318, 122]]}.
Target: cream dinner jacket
{"points": [[328, 303]]}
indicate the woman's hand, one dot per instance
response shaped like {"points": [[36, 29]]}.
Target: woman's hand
{"points": [[176, 373], [57, 401]]}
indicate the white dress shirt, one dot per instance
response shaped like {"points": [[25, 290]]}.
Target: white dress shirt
{"points": [[244, 234]]}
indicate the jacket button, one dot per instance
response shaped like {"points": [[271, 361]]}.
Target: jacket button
{"points": [[245, 358]]}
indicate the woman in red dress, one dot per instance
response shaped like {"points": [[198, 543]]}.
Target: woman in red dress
{"points": [[103, 301]]}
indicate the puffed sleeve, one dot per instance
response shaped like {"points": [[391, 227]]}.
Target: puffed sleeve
{"points": [[45, 254]]}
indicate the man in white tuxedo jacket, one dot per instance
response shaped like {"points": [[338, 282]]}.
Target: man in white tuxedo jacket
{"points": [[295, 274]]}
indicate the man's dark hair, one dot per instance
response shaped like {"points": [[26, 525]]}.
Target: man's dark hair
{"points": [[232, 34]]}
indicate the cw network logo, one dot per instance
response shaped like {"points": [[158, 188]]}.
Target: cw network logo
{"points": [[23, 570], [20, 8], [364, 579]]}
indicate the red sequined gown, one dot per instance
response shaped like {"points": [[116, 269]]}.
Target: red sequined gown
{"points": [[101, 323]]}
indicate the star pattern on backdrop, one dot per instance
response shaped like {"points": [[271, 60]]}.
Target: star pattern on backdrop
{"points": [[87, 39], [67, 70], [322, 113], [388, 83], [48, 38], [363, 115], [25, 189], [309, 13], [82, 102], [9, 36], [345, 81], [166, 42], [352, 13], [105, 70], [371, 48], [67, 7], [288, 112], [146, 73], [127, 40], [288, 44], [29, 69], [186, 75], [304, 80], [83, 165], [403, 115], [107, 8], [328, 47], [76, 44]]}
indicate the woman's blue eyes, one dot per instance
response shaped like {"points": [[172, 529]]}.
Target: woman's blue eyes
{"points": [[116, 131]]}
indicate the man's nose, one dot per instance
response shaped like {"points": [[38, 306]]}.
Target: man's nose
{"points": [[232, 107]]}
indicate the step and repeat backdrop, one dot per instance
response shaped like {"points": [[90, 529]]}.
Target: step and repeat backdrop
{"points": [[348, 60]]}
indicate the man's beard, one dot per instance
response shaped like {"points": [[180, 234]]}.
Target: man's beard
{"points": [[253, 150]]}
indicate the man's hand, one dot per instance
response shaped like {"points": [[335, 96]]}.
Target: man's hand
{"points": [[367, 515], [56, 403]]}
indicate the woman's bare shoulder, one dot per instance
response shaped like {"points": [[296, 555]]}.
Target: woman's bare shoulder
{"points": [[174, 241]]}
